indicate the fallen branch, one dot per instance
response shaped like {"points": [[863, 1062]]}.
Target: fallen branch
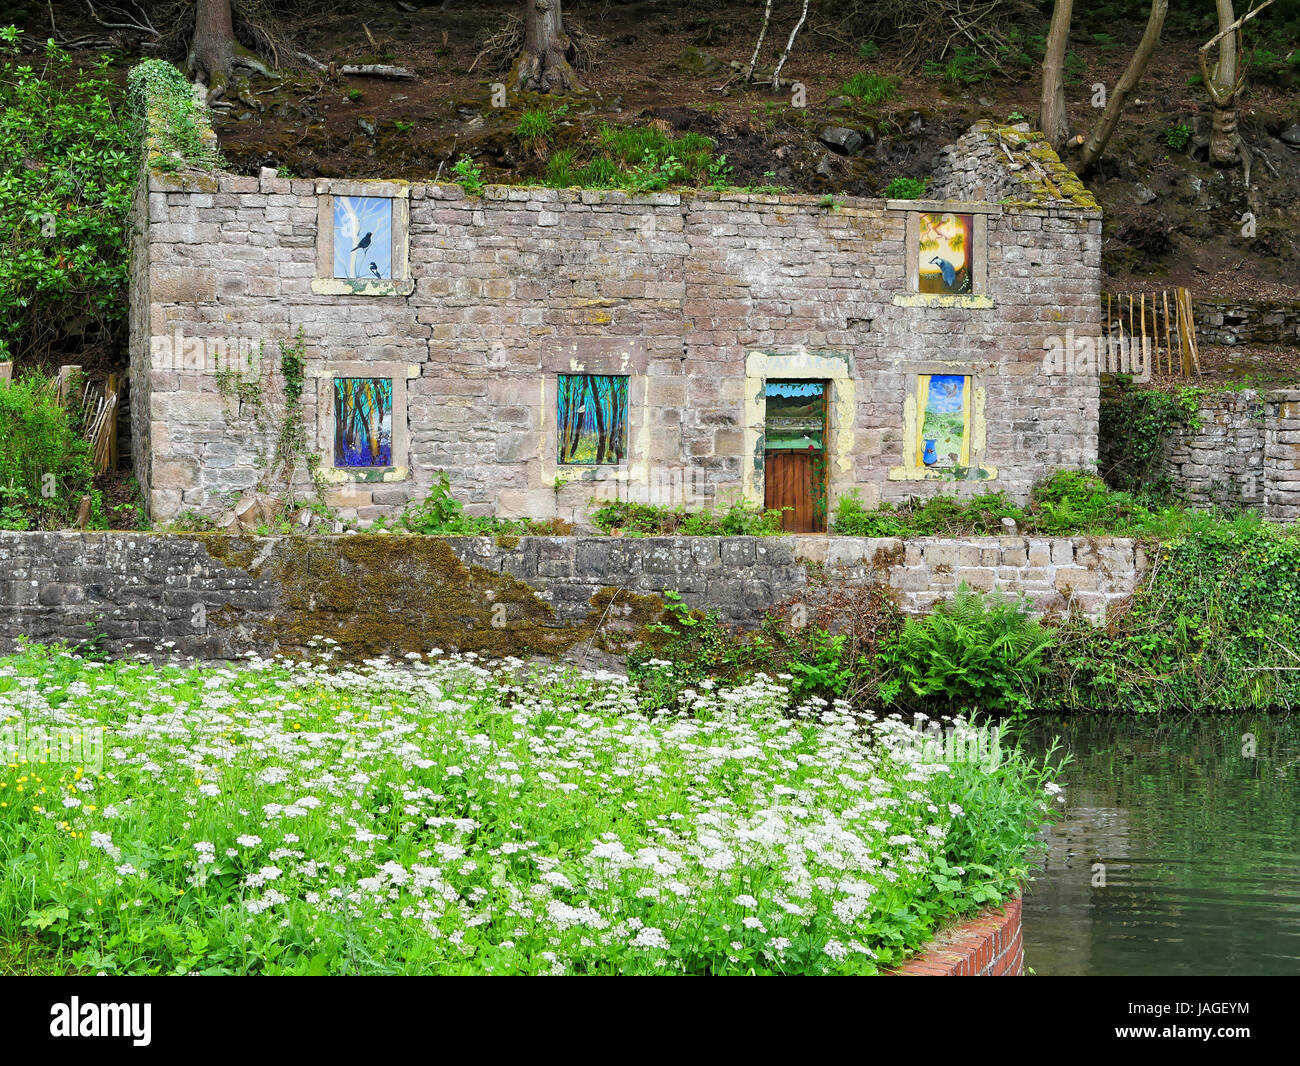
{"points": [[375, 70]]}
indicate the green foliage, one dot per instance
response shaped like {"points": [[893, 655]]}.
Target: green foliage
{"points": [[1068, 503], [740, 518], [441, 513], [983, 653], [1178, 136], [1137, 424], [45, 465], [964, 66], [638, 159], [535, 126], [354, 95], [470, 175], [905, 188], [163, 100], [870, 89], [533, 785], [67, 171], [868, 50], [1215, 626]]}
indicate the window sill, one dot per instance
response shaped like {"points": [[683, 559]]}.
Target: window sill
{"points": [[930, 299], [342, 475], [362, 287]]}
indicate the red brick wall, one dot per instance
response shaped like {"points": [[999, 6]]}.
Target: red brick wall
{"points": [[989, 945]]}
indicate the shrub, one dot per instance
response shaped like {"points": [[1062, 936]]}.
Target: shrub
{"points": [[639, 159], [67, 171], [441, 513], [906, 188], [1178, 136], [470, 175], [650, 520], [983, 653], [45, 465]]}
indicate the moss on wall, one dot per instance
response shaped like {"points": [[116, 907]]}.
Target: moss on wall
{"points": [[383, 594]]}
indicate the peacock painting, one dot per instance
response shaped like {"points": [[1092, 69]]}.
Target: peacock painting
{"points": [[943, 261]]}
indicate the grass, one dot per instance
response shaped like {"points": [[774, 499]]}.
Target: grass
{"points": [[870, 89], [438, 816], [639, 159]]}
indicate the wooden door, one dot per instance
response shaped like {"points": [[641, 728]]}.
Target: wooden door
{"points": [[790, 479]]}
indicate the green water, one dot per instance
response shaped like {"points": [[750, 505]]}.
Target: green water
{"points": [[1200, 844]]}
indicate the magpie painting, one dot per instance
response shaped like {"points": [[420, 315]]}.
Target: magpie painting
{"points": [[363, 237]]}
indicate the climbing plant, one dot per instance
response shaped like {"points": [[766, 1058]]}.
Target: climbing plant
{"points": [[1137, 425]]}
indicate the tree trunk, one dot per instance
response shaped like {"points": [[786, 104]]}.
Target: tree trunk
{"points": [[543, 65], [1223, 92], [213, 47], [1052, 118], [1100, 135]]}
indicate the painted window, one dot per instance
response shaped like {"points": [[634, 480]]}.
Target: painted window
{"points": [[944, 440], [592, 418], [796, 415], [944, 262], [363, 237], [363, 422]]}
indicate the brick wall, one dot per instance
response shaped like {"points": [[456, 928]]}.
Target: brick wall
{"points": [[676, 290], [217, 596], [990, 945]]}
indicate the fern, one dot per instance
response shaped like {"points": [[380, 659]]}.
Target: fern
{"points": [[982, 652]]}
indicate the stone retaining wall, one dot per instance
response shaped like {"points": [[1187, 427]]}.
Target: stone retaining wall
{"points": [[217, 597]]}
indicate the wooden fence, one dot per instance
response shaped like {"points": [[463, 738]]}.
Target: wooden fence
{"points": [[1151, 325]]}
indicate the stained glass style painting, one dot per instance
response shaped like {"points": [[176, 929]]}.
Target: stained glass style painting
{"points": [[363, 237], [945, 423], [796, 415], [592, 418], [945, 254], [363, 422]]}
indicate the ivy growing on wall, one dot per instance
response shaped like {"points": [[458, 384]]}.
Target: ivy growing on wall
{"points": [[1137, 426]]}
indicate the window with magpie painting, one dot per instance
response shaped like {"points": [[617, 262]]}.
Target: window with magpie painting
{"points": [[363, 237]]}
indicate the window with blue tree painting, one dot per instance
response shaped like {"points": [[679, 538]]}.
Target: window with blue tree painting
{"points": [[363, 422]]}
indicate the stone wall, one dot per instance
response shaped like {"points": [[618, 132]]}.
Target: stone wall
{"points": [[1247, 322], [698, 296], [1245, 453], [217, 596]]}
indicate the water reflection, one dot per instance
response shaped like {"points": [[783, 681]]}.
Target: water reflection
{"points": [[1198, 841]]}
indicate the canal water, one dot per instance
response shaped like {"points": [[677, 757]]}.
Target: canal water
{"points": [[1177, 851]]}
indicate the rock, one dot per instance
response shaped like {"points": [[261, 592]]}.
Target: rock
{"points": [[835, 103], [1009, 526], [697, 61], [824, 168], [83, 513], [1291, 135], [253, 509], [917, 123], [842, 140], [368, 126], [467, 111], [397, 98], [1143, 194]]}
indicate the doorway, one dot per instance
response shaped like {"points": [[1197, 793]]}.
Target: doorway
{"points": [[794, 454]]}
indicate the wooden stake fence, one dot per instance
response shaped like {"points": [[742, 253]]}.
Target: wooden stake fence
{"points": [[1137, 347]]}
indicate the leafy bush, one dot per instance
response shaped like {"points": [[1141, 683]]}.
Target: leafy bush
{"points": [[67, 171], [441, 513], [905, 188], [470, 175], [870, 89], [1178, 136], [983, 653], [1137, 425], [653, 520], [45, 465]]}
